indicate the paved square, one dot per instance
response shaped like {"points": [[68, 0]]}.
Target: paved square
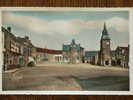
{"points": [[46, 76]]}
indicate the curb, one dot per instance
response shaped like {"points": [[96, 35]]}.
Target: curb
{"points": [[11, 71]]}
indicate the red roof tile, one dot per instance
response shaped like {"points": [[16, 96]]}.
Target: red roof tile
{"points": [[49, 51]]}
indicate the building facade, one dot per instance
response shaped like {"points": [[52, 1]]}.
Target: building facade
{"points": [[73, 53], [107, 57], [122, 56], [11, 49], [16, 50], [91, 57], [105, 50], [48, 55], [26, 50], [19, 51]]}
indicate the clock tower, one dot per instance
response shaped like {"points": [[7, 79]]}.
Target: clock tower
{"points": [[105, 52]]}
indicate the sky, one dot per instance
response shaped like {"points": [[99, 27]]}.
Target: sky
{"points": [[52, 29]]}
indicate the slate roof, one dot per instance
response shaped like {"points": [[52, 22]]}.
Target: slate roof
{"points": [[91, 53], [6, 32], [105, 35], [120, 48], [66, 48], [16, 39]]}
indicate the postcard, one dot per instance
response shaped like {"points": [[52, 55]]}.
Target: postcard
{"points": [[66, 50]]}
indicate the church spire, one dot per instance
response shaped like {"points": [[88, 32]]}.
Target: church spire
{"points": [[105, 34], [104, 30], [104, 26]]}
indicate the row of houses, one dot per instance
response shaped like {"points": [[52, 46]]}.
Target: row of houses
{"points": [[70, 53], [16, 50], [19, 51]]}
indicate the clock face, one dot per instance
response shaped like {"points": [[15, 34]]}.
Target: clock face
{"points": [[107, 43]]}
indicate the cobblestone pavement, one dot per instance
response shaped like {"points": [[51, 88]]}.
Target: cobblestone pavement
{"points": [[46, 76]]}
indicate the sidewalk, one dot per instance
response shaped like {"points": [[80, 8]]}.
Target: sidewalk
{"points": [[12, 70]]}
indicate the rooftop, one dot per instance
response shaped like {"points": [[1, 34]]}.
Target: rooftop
{"points": [[122, 47], [66, 47], [105, 35], [91, 53], [49, 51]]}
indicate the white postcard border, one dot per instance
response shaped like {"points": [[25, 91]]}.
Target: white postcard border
{"points": [[130, 92]]}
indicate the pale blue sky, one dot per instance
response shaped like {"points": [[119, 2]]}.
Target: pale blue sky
{"points": [[72, 15], [52, 29]]}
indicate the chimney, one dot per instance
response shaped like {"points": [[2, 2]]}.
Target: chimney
{"points": [[9, 29]]}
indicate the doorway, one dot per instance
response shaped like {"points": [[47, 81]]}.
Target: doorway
{"points": [[107, 62]]}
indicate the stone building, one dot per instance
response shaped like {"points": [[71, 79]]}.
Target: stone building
{"points": [[113, 57], [25, 49], [73, 53], [107, 57], [105, 50], [122, 56], [11, 49], [48, 55], [91, 57], [16, 50], [19, 51]]}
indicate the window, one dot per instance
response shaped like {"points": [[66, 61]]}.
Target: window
{"points": [[123, 51]]}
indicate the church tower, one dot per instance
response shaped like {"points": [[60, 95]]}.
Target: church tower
{"points": [[105, 52]]}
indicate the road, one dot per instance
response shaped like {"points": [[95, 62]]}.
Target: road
{"points": [[69, 77]]}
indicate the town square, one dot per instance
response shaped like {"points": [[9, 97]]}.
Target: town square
{"points": [[62, 77], [65, 51]]}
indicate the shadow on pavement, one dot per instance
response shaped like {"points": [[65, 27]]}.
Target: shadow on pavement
{"points": [[104, 83]]}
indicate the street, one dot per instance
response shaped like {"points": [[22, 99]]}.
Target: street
{"points": [[88, 77]]}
